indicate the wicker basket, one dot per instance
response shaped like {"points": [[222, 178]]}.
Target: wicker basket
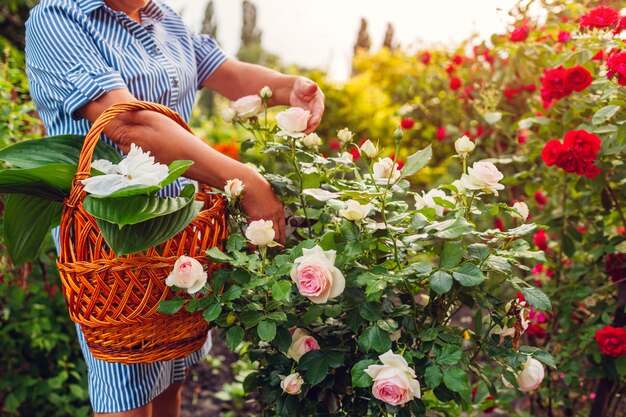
{"points": [[115, 299]]}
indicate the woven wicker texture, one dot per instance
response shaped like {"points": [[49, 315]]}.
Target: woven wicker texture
{"points": [[115, 299]]}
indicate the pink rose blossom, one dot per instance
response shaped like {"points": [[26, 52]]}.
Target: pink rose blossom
{"points": [[316, 276], [301, 343]]}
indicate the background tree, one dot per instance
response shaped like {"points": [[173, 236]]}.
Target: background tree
{"points": [[206, 101]]}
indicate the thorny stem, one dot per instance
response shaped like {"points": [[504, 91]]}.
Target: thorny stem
{"points": [[296, 166]]}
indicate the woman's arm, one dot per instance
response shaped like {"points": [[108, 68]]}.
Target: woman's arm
{"points": [[167, 141], [234, 79]]}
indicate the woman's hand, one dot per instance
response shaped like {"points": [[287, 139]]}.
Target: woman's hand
{"points": [[258, 201], [306, 94]]}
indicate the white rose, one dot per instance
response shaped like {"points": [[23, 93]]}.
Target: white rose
{"points": [[233, 188], [347, 157], [493, 117], [531, 375], [345, 135], [355, 211], [228, 114], [293, 120], [292, 384], [265, 92], [427, 200], [316, 275], [260, 232], [483, 176], [460, 188], [369, 149], [464, 146], [312, 140], [522, 210], [248, 106], [188, 274], [394, 381], [385, 170]]}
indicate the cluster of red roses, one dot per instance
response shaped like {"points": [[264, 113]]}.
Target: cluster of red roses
{"points": [[617, 66], [603, 17], [612, 341], [561, 82], [575, 154]]}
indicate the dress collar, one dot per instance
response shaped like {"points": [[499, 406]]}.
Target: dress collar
{"points": [[152, 9]]}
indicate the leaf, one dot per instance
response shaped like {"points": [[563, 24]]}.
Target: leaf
{"points": [[283, 339], [235, 242], [172, 306], [27, 222], [441, 282], [450, 229], [417, 161], [64, 149], [468, 275], [51, 181], [451, 255], [315, 366], [312, 314], [232, 293], [212, 312], [176, 169], [449, 355], [456, 380], [281, 290], [537, 298], [620, 365], [141, 236], [604, 114], [218, 256], [359, 378], [433, 376], [137, 208], [374, 338], [234, 337], [266, 330]]}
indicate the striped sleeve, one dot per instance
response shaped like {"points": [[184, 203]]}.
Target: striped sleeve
{"points": [[64, 60], [209, 56]]}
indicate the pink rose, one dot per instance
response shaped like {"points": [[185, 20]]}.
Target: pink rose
{"points": [[394, 382], [247, 106], [293, 120], [316, 276], [301, 343], [188, 274], [292, 384], [483, 175]]}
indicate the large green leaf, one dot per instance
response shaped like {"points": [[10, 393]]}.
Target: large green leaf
{"points": [[63, 149], [176, 169], [137, 208], [417, 161], [134, 238], [28, 220], [52, 181]]}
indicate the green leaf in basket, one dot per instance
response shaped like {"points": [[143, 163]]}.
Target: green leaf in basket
{"points": [[52, 181], [28, 221], [172, 306], [176, 169], [134, 238], [64, 149], [137, 208]]}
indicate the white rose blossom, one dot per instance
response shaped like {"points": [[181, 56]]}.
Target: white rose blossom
{"points": [[233, 188], [228, 114], [522, 210], [345, 135], [464, 146], [316, 275], [531, 375], [293, 120], [385, 171], [460, 188], [260, 232], [355, 211], [312, 140], [369, 149], [484, 176], [188, 274], [427, 200], [137, 168], [292, 384], [247, 106], [347, 157], [265, 92]]}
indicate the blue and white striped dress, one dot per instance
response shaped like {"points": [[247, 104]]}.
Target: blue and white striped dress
{"points": [[77, 50]]}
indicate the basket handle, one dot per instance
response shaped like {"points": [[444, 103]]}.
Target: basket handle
{"points": [[93, 136]]}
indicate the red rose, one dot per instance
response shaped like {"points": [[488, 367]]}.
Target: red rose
{"points": [[564, 36], [407, 123], [519, 34], [425, 58], [510, 93], [450, 69], [540, 198], [621, 26], [334, 144], [536, 330], [578, 78], [617, 66], [569, 161], [551, 152], [354, 151], [540, 240], [599, 56], [589, 170], [457, 59], [586, 145], [612, 341], [498, 224], [441, 133], [616, 266], [455, 83], [554, 84], [601, 17], [531, 88]]}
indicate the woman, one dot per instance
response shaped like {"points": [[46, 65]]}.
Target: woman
{"points": [[85, 55]]}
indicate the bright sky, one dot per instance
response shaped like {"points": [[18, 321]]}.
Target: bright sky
{"points": [[321, 33]]}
